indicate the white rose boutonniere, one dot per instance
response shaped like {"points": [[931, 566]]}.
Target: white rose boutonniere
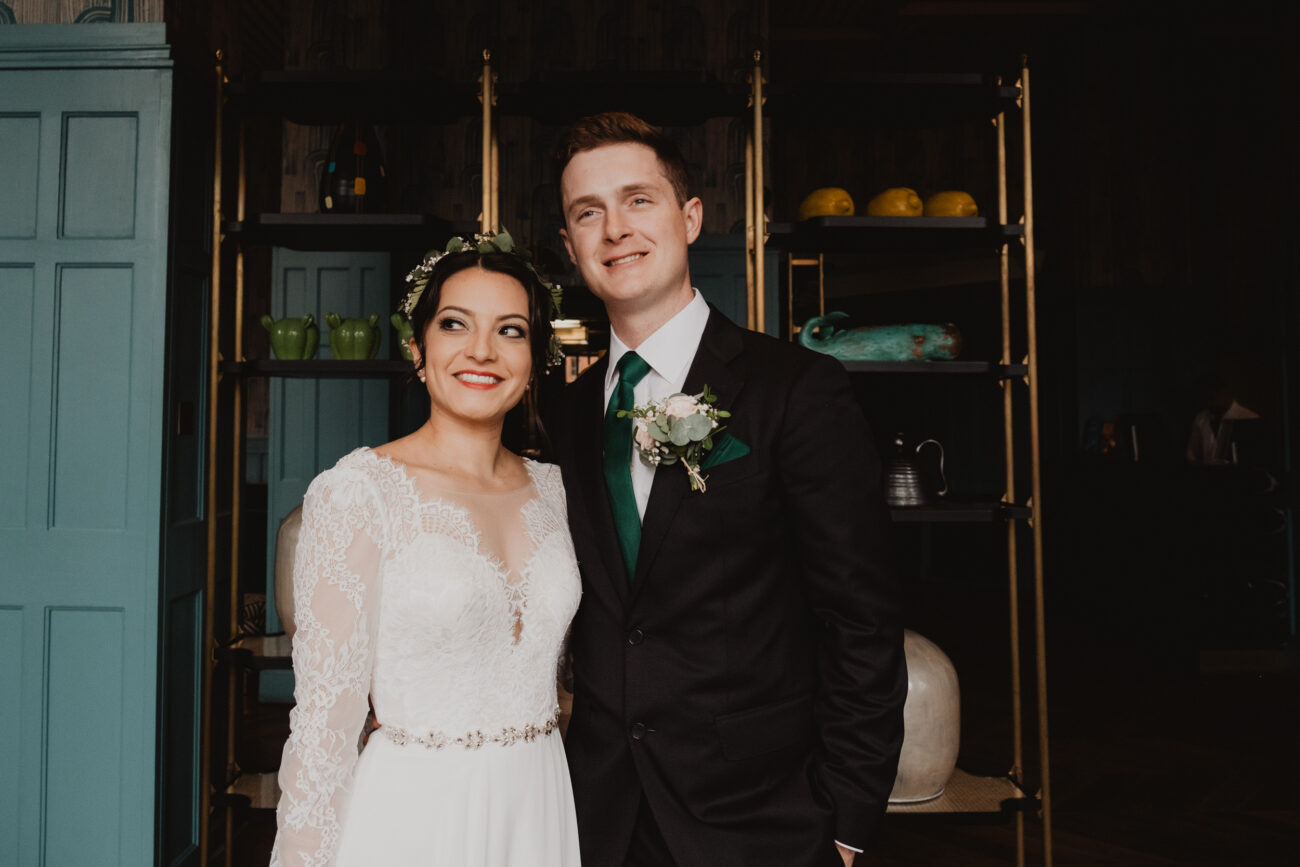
{"points": [[677, 429]]}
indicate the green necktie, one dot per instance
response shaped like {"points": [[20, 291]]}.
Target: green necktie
{"points": [[632, 368]]}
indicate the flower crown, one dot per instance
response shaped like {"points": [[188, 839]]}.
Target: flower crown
{"points": [[501, 242]]}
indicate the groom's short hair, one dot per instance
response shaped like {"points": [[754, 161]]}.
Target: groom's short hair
{"points": [[619, 127]]}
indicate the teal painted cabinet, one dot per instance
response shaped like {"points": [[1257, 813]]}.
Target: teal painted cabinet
{"points": [[718, 271], [314, 422], [85, 117]]}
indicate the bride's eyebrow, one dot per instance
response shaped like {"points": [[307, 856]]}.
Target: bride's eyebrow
{"points": [[470, 313]]}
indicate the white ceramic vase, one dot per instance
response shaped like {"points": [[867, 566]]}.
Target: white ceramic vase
{"points": [[286, 546], [931, 722]]}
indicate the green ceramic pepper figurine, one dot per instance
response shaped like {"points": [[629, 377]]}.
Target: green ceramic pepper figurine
{"points": [[292, 339], [354, 339], [404, 333]]}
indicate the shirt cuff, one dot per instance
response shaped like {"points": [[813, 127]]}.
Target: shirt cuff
{"points": [[847, 846]]}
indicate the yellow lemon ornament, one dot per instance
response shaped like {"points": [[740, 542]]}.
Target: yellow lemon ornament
{"points": [[895, 202], [951, 203], [826, 202]]}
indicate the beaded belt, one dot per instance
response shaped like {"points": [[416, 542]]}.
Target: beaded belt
{"points": [[475, 739]]}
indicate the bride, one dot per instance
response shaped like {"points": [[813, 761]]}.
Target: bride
{"points": [[435, 578]]}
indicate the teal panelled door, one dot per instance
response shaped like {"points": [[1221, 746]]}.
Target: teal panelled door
{"points": [[84, 152]]}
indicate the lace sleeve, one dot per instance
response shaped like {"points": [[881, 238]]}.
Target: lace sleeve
{"points": [[336, 607]]}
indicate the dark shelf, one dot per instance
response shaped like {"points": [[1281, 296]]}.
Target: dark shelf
{"points": [[971, 799], [347, 231], [939, 368], [905, 99], [857, 234], [257, 792], [318, 368], [259, 652], [663, 98], [948, 512], [319, 98]]}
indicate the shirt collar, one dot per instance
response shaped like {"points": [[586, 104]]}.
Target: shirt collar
{"points": [[671, 348]]}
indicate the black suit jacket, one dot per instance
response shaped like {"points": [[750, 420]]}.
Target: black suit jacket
{"points": [[749, 679]]}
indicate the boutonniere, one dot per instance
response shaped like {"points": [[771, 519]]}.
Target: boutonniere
{"points": [[677, 429]]}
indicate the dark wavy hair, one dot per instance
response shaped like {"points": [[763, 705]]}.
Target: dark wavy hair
{"points": [[539, 309]]}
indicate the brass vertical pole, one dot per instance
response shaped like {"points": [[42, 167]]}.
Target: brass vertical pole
{"points": [[236, 488], [496, 161], [496, 179], [760, 219], [821, 284], [1031, 318], [210, 492], [749, 230], [486, 97], [1009, 497]]}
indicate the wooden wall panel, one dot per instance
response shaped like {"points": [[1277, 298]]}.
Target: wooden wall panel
{"points": [[82, 786], [11, 682], [436, 169], [17, 299], [83, 11], [92, 379], [20, 138], [97, 177]]}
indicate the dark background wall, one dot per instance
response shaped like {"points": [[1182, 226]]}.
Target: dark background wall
{"points": [[1164, 185]]}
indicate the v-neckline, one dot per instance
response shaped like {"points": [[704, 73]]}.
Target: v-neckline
{"points": [[516, 591]]}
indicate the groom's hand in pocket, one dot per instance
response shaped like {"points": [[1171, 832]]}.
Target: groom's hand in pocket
{"points": [[368, 728]]}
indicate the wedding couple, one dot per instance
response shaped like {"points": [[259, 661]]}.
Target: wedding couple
{"points": [[737, 654]]}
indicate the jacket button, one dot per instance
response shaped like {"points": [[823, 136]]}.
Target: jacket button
{"points": [[638, 731], [635, 637]]}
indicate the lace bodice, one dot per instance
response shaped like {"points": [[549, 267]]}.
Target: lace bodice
{"points": [[447, 610]]}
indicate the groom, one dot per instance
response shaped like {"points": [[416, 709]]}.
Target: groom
{"points": [[737, 657]]}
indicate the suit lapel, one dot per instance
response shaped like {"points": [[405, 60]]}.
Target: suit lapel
{"points": [[712, 366], [588, 442]]}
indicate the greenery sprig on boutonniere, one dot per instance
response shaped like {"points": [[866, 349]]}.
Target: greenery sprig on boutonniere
{"points": [[677, 429]]}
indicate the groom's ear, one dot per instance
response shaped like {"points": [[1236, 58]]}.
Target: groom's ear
{"points": [[693, 217], [568, 245]]}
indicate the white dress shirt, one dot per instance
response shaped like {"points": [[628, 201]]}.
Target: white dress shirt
{"points": [[669, 352]]}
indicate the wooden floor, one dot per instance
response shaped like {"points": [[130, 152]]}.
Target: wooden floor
{"points": [[1153, 761]]}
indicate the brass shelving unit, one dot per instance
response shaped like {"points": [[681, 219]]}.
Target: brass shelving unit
{"points": [[966, 795], [808, 242], [292, 96]]}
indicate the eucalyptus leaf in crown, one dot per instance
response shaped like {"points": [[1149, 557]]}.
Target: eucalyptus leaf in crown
{"points": [[499, 242]]}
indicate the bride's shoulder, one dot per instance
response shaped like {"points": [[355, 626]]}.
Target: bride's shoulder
{"points": [[546, 476], [360, 472]]}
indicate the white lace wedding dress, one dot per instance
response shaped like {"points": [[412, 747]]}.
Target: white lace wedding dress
{"points": [[447, 610]]}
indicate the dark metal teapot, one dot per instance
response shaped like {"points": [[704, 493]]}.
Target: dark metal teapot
{"points": [[905, 482]]}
